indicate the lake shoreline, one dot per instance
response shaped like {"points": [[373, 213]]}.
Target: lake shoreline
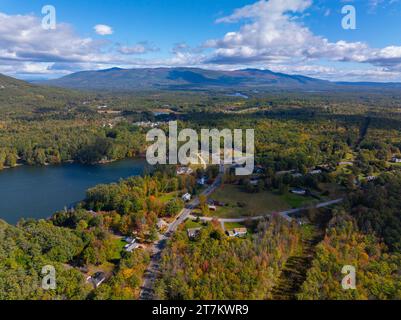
{"points": [[40, 191], [101, 162]]}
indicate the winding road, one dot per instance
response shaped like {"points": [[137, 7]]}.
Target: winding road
{"points": [[284, 214]]}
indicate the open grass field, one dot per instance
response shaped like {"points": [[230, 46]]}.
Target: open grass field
{"points": [[233, 225], [239, 203], [106, 267], [191, 224], [119, 247], [168, 197]]}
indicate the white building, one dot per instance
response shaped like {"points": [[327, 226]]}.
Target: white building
{"points": [[300, 192], [396, 160], [184, 170]]}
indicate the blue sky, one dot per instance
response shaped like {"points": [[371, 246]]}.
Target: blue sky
{"points": [[293, 36]]}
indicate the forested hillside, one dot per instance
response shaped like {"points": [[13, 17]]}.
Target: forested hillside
{"points": [[377, 270], [26, 249], [214, 267]]}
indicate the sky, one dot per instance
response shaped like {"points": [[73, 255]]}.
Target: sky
{"points": [[292, 36]]}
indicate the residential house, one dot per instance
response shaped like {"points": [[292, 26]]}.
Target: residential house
{"points": [[146, 124], [97, 279], [346, 163], [396, 160], [184, 170], [231, 233], [193, 233], [298, 191], [240, 232], [237, 232], [131, 246], [162, 225], [186, 197]]}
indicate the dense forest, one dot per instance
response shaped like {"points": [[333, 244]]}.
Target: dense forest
{"points": [[214, 267], [26, 249], [377, 269]]}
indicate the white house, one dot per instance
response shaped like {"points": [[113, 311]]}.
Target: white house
{"points": [[346, 163], [300, 192], [237, 232], [131, 247], [396, 160], [184, 170], [186, 197]]}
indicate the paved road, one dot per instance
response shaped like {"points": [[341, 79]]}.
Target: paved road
{"points": [[157, 248], [285, 214]]}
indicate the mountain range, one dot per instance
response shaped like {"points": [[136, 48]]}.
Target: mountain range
{"points": [[116, 79], [125, 80]]}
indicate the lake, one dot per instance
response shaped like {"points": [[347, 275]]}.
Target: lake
{"points": [[38, 192]]}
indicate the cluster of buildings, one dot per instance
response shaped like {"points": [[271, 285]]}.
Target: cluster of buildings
{"points": [[193, 233], [147, 124]]}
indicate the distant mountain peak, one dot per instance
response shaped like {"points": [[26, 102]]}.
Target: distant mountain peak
{"points": [[111, 69]]}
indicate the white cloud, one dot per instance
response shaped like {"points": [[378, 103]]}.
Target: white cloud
{"points": [[139, 48], [27, 48], [273, 33], [103, 29]]}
